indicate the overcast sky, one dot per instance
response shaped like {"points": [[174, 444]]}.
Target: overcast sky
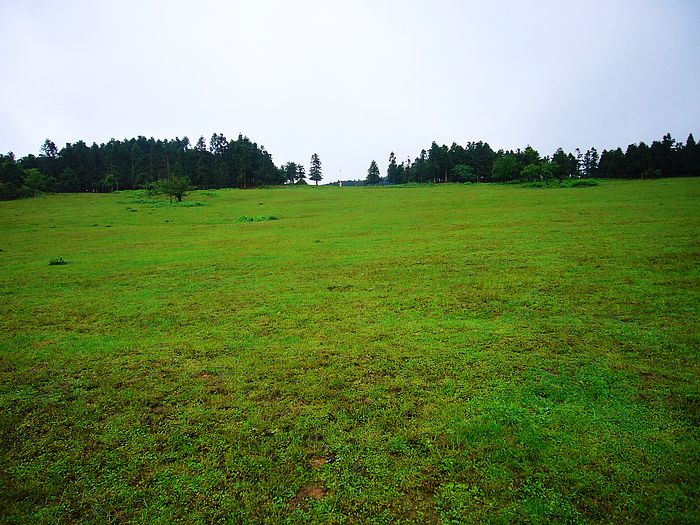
{"points": [[353, 80]]}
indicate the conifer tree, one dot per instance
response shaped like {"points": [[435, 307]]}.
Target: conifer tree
{"points": [[315, 169], [392, 172], [372, 174]]}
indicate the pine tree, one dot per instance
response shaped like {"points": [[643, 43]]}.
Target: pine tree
{"points": [[590, 162], [392, 172], [315, 169], [373, 174], [290, 172], [594, 162]]}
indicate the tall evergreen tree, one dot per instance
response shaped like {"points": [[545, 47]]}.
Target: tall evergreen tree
{"points": [[315, 169], [49, 156], [392, 171], [49, 149], [590, 162], [420, 168], [439, 162], [663, 156], [566, 167], [690, 158], [372, 174], [12, 178], [290, 172]]}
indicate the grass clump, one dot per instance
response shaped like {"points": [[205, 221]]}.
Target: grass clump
{"points": [[256, 218], [567, 183], [160, 203], [538, 185], [176, 204], [57, 261]]}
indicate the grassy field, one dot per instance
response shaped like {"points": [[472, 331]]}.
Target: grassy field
{"points": [[444, 354]]}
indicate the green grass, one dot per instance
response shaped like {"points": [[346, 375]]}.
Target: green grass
{"points": [[444, 354]]}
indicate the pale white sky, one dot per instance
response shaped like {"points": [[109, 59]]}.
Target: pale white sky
{"points": [[350, 81]]}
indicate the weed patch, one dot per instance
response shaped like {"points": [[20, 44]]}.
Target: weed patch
{"points": [[57, 261], [159, 203], [580, 183], [256, 218]]}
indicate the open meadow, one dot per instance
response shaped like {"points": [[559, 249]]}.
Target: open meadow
{"points": [[435, 354]]}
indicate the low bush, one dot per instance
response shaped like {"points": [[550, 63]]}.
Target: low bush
{"points": [[582, 183], [57, 261]]}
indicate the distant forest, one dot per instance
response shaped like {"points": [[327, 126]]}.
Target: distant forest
{"points": [[241, 163], [478, 162]]}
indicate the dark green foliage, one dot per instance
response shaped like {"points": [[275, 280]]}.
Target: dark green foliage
{"points": [[439, 163], [256, 218], [12, 179], [290, 172], [392, 171], [293, 173], [566, 165], [589, 167], [569, 183], [372, 174], [110, 181], [582, 183], [37, 181], [57, 261], [141, 162], [531, 172], [505, 168], [315, 170], [477, 162], [463, 173], [650, 173], [135, 163], [175, 187]]}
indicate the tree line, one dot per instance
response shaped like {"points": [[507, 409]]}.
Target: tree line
{"points": [[145, 162], [478, 162], [221, 163]]}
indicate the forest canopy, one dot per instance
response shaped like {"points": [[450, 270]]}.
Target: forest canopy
{"points": [[478, 162]]}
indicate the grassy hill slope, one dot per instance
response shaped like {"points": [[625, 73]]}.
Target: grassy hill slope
{"points": [[440, 354]]}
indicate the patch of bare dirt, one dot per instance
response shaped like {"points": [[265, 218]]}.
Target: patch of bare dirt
{"points": [[306, 493], [318, 462]]}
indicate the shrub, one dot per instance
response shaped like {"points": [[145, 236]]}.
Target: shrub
{"points": [[57, 261], [582, 183], [174, 187]]}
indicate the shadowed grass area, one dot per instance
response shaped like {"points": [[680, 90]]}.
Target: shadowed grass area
{"points": [[444, 354]]}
